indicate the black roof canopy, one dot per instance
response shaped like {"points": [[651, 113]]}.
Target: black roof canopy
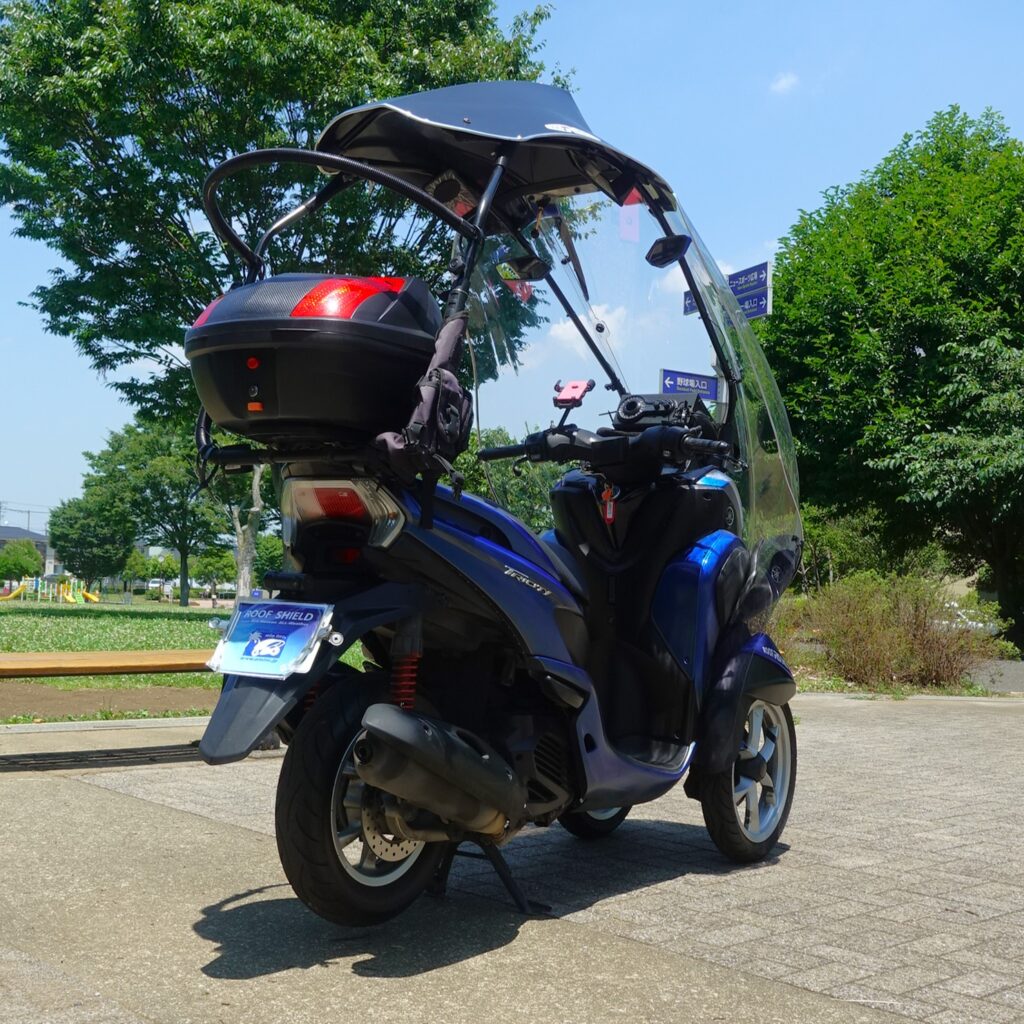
{"points": [[463, 128]]}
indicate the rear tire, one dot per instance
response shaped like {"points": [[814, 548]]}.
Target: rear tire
{"points": [[323, 812], [745, 816], [594, 824]]}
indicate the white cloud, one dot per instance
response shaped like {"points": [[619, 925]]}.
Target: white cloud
{"points": [[672, 281], [784, 81], [564, 334], [725, 267]]}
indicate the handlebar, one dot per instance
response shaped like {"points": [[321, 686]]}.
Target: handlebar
{"points": [[570, 444], [502, 451]]}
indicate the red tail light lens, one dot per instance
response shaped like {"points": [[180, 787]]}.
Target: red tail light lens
{"points": [[341, 503], [340, 297], [360, 502], [205, 315]]}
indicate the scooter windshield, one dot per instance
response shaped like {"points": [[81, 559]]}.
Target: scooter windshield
{"points": [[605, 313]]}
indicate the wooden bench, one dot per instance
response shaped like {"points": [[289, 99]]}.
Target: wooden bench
{"points": [[100, 663]]}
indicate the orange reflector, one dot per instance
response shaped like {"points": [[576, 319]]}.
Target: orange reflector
{"points": [[255, 407]]}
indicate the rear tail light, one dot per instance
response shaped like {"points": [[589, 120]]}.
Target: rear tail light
{"points": [[361, 502], [340, 297]]}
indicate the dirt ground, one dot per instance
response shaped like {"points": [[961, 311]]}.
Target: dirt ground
{"points": [[27, 698]]}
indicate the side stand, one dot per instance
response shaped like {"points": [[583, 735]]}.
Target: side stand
{"points": [[490, 852]]}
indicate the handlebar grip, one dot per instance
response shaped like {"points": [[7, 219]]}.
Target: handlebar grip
{"points": [[504, 451], [700, 444]]}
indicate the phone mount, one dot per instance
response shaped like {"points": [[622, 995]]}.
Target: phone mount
{"points": [[571, 395]]}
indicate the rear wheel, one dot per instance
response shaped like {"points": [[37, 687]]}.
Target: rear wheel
{"points": [[594, 824], [334, 842], [746, 806]]}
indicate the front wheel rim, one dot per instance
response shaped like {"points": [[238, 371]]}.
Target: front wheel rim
{"points": [[372, 858], [763, 772], [604, 814]]}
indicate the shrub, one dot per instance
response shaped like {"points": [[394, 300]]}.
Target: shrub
{"points": [[900, 630]]}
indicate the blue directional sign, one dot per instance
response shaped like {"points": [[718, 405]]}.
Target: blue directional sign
{"points": [[675, 381], [753, 279], [754, 304], [752, 288]]}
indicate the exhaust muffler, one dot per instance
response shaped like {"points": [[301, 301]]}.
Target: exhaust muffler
{"points": [[441, 768]]}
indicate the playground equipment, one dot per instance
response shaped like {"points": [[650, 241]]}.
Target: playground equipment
{"points": [[67, 592]]}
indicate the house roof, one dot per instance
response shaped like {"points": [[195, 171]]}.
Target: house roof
{"points": [[17, 533]]}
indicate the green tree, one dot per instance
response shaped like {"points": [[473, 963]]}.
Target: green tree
{"points": [[896, 335], [214, 566], [136, 567], [522, 490], [246, 500], [269, 556], [92, 536], [19, 558], [148, 468], [112, 113]]}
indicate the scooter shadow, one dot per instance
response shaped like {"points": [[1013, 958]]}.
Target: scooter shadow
{"points": [[256, 936]]}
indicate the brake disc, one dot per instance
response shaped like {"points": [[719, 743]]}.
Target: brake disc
{"points": [[384, 844]]}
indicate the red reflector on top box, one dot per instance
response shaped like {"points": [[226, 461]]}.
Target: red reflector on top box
{"points": [[341, 296]]}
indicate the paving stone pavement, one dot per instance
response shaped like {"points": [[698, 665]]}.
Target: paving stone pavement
{"points": [[899, 884]]}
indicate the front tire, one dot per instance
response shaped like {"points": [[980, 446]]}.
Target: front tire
{"points": [[593, 824], [746, 806], [334, 844]]}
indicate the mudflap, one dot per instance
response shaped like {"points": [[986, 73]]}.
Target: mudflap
{"points": [[747, 667], [249, 708]]}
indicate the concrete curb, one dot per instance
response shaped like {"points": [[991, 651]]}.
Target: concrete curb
{"points": [[124, 723]]}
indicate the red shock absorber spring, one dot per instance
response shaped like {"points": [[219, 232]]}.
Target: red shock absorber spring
{"points": [[404, 675]]}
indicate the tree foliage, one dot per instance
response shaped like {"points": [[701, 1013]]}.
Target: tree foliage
{"points": [[897, 334], [214, 566], [148, 469], [523, 493], [112, 114], [269, 557], [19, 558], [92, 535]]}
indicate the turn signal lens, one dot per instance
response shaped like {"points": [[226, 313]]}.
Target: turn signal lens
{"points": [[340, 297]]}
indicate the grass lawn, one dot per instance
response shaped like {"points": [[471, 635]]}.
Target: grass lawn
{"points": [[29, 627], [74, 628]]}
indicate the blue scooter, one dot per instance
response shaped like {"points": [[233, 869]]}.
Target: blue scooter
{"points": [[507, 677]]}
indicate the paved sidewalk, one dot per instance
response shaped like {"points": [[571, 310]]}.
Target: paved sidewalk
{"points": [[154, 893]]}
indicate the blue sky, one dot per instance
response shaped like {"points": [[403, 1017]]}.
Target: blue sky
{"points": [[750, 110]]}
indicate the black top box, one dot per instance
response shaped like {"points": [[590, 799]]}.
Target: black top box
{"points": [[305, 357]]}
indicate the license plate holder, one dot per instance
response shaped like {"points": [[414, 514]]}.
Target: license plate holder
{"points": [[272, 639]]}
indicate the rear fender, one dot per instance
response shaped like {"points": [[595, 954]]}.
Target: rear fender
{"points": [[249, 708], [754, 670]]}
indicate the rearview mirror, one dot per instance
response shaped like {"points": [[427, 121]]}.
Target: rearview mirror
{"points": [[668, 249], [526, 268]]}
